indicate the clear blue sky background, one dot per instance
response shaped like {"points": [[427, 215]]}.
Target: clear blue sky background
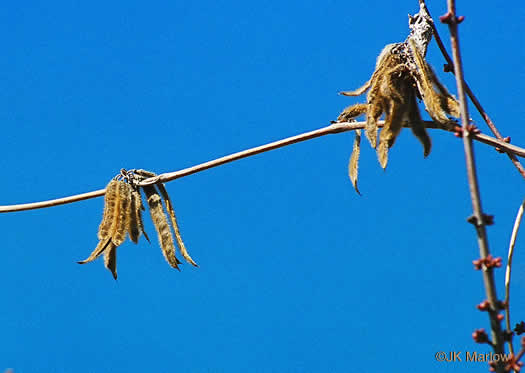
{"points": [[297, 272]]}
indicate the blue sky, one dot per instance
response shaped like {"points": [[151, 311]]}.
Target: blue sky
{"points": [[297, 272]]}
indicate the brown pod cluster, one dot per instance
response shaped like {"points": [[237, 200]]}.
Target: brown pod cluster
{"points": [[160, 220], [123, 216], [401, 77]]}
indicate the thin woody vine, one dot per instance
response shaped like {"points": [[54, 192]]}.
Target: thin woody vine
{"points": [[401, 83]]}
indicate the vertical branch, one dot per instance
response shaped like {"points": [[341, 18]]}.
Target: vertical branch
{"points": [[479, 219]]}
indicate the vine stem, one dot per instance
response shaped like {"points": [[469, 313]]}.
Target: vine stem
{"points": [[508, 271], [471, 95], [332, 129], [479, 217]]}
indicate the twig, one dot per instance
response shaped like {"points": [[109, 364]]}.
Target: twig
{"points": [[513, 236], [479, 218], [332, 129], [471, 95]]}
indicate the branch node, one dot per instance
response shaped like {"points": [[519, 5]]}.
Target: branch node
{"points": [[470, 129], [507, 335], [450, 19], [487, 262], [502, 305], [487, 220]]}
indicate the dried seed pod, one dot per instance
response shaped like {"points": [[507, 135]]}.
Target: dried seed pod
{"points": [[162, 227], [176, 230], [109, 220], [448, 102], [390, 131], [122, 215], [102, 245], [386, 83], [133, 228], [351, 112], [136, 226], [115, 222], [359, 91], [353, 164], [110, 259], [110, 201], [171, 211], [372, 116], [438, 104], [417, 126]]}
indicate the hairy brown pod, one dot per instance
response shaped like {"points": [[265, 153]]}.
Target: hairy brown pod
{"points": [[115, 222], [136, 225], [160, 221], [171, 212]]}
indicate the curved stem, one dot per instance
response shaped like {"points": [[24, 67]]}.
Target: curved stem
{"points": [[508, 271], [332, 129]]}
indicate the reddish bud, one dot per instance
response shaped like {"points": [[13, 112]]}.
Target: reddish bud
{"points": [[483, 306], [488, 262], [480, 336], [446, 18], [471, 128], [477, 264]]}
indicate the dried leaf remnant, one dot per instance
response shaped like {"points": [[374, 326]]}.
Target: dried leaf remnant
{"points": [[353, 164]]}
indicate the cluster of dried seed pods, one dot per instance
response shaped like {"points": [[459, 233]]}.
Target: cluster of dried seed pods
{"points": [[123, 216], [401, 77], [160, 220]]}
